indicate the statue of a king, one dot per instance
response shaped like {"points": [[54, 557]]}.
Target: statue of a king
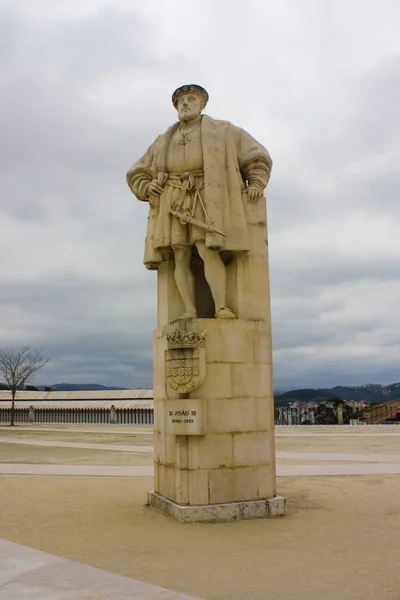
{"points": [[196, 178]]}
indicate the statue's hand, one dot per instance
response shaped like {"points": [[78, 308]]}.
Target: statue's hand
{"points": [[253, 194], [154, 187]]}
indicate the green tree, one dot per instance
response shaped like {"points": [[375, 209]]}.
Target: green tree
{"points": [[325, 415], [349, 411]]}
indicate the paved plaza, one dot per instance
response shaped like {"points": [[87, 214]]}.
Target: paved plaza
{"points": [[302, 463], [74, 522], [29, 574]]}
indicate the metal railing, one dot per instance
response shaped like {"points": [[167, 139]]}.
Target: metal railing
{"points": [[131, 416], [288, 415]]}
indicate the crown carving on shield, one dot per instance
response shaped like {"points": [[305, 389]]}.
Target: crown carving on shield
{"points": [[185, 339]]}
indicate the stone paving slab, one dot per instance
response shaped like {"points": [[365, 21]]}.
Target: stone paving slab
{"points": [[147, 471], [332, 435], [29, 574], [383, 458], [14, 561], [321, 428], [280, 430], [87, 428], [85, 470], [342, 469], [84, 445], [333, 456]]}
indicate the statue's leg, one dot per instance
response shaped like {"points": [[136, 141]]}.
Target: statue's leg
{"points": [[214, 271], [184, 279]]}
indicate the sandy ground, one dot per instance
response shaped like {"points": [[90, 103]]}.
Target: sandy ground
{"points": [[340, 539], [13, 453]]}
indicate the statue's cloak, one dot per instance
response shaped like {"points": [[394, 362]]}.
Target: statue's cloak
{"points": [[232, 160]]}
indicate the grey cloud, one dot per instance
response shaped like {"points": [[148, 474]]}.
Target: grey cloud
{"points": [[100, 358], [348, 164], [314, 321], [367, 130], [83, 96], [87, 330], [330, 267]]}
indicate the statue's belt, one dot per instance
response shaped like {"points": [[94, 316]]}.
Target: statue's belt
{"points": [[188, 184], [189, 181]]}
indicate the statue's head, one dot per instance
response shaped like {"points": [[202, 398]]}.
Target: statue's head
{"points": [[189, 101]]}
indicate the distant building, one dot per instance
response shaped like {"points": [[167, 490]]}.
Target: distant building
{"points": [[80, 399]]}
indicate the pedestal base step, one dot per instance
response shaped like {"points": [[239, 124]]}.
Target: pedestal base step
{"points": [[217, 513]]}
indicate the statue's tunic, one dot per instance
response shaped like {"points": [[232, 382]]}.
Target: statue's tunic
{"points": [[184, 186], [185, 155], [218, 163]]}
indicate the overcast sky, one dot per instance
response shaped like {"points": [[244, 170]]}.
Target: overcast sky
{"points": [[85, 88]]}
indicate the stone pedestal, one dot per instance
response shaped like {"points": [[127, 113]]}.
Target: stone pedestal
{"points": [[113, 415], [215, 445], [219, 513], [213, 393]]}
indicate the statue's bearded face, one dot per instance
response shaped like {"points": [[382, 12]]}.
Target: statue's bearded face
{"points": [[189, 106]]}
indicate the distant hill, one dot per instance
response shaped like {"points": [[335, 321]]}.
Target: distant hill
{"points": [[73, 387], [370, 393], [303, 395]]}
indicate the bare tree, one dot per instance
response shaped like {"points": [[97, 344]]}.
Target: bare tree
{"points": [[19, 366]]}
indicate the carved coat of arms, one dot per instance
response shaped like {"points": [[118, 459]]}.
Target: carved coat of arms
{"points": [[185, 360]]}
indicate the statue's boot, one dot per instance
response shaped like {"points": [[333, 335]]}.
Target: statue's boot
{"points": [[225, 313]]}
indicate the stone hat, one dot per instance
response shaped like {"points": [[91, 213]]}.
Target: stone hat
{"points": [[185, 89]]}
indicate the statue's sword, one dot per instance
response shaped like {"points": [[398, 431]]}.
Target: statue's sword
{"points": [[187, 218]]}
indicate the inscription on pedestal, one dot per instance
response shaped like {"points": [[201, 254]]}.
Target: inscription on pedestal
{"points": [[186, 417]]}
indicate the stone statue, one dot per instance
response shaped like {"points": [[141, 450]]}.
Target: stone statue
{"points": [[212, 351], [196, 178]]}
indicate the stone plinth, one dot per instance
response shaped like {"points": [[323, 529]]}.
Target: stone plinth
{"points": [[218, 513], [215, 445]]}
